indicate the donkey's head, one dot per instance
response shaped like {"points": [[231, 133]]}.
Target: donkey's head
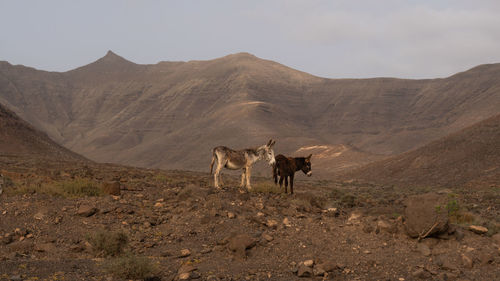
{"points": [[266, 152], [306, 168]]}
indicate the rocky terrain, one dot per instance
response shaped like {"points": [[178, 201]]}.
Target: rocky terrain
{"points": [[177, 227], [171, 114]]}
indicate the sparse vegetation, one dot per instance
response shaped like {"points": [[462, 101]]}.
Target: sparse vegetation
{"points": [[67, 188], [452, 205], [129, 266], [161, 178], [266, 187], [106, 243]]}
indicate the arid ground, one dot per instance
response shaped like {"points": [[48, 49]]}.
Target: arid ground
{"points": [[171, 225]]}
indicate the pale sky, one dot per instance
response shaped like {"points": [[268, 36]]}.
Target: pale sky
{"points": [[334, 39]]}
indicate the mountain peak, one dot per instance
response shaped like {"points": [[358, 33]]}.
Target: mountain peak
{"points": [[111, 62], [111, 57]]}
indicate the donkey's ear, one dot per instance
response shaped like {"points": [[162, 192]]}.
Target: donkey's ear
{"points": [[309, 157], [271, 142]]}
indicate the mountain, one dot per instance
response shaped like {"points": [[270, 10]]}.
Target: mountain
{"points": [[171, 114], [468, 157], [18, 138]]}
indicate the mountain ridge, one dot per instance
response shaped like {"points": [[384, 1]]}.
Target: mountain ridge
{"points": [[170, 114]]}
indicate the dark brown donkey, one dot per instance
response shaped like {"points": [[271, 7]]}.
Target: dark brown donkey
{"points": [[287, 166]]}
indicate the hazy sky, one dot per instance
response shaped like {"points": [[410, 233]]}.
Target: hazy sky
{"points": [[336, 39]]}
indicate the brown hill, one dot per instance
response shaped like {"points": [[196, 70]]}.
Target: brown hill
{"points": [[18, 138], [469, 157], [171, 114]]}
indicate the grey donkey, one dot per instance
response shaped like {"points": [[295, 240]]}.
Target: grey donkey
{"points": [[240, 159]]}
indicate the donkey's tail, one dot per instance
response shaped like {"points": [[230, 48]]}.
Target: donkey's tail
{"points": [[213, 160]]}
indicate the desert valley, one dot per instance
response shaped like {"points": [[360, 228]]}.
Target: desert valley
{"points": [[105, 173]]}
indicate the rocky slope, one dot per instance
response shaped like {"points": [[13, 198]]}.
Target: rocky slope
{"points": [[20, 139], [468, 157]]}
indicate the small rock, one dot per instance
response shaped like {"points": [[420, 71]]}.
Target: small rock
{"points": [[195, 275], [448, 265], [39, 215], [159, 205], [468, 263], [231, 215], [186, 268], [7, 239], [424, 249], [206, 251], [86, 211], [421, 273], [326, 267], [286, 222], [77, 248], [45, 247], [496, 238], [459, 234], [271, 223], [355, 216], [267, 237], [386, 226], [185, 253], [486, 257], [368, 228], [478, 229], [185, 276], [15, 278], [318, 271], [304, 271], [308, 263]]}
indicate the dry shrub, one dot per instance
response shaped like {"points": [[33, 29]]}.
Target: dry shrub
{"points": [[266, 187], [307, 201], [106, 243], [68, 188], [129, 267]]}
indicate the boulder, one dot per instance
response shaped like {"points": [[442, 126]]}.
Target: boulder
{"points": [[86, 211], [239, 243], [426, 215], [111, 188]]}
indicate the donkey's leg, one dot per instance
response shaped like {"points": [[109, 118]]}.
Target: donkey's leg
{"points": [[243, 177], [286, 183], [291, 183], [248, 174], [221, 182], [217, 174]]}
